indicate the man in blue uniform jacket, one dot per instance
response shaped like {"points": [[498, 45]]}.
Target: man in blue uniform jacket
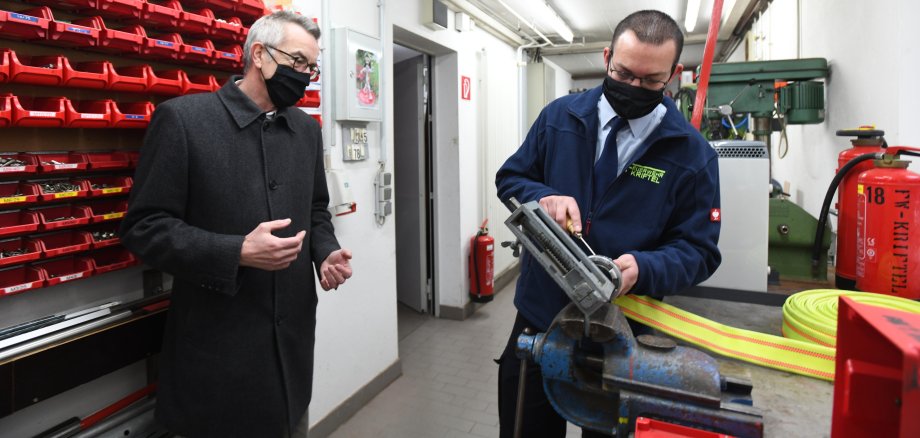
{"points": [[640, 182]]}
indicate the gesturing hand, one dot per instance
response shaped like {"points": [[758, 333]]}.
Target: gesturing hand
{"points": [[263, 250], [561, 208], [335, 269]]}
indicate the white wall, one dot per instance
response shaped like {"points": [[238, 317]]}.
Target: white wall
{"points": [[871, 50], [563, 79], [356, 325]]}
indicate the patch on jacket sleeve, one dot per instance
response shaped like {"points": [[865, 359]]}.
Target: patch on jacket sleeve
{"points": [[647, 173], [715, 215]]}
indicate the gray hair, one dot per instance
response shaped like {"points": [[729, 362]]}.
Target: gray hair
{"points": [[269, 30]]}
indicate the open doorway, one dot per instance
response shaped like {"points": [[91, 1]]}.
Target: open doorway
{"points": [[412, 132]]}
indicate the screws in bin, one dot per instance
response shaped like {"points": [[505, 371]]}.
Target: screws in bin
{"points": [[59, 187], [100, 186], [54, 162], [62, 218], [12, 253], [11, 162], [103, 235]]}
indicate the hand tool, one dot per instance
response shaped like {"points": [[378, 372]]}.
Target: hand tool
{"points": [[569, 226]]}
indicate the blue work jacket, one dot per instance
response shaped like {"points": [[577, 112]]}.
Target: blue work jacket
{"points": [[663, 209]]}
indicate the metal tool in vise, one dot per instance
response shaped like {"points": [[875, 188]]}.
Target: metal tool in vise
{"points": [[596, 374]]}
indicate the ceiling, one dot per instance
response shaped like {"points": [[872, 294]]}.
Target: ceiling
{"points": [[593, 21]]}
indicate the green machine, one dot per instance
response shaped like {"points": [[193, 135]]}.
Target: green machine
{"points": [[749, 96], [792, 236]]}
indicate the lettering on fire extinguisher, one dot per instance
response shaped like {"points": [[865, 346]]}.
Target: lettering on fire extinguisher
{"points": [[899, 242]]}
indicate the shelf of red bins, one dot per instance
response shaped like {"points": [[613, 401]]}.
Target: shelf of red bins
{"points": [[64, 216], [59, 162], [62, 33], [228, 57], [66, 269], [217, 5], [31, 250], [131, 114], [197, 22], [20, 279], [13, 222], [648, 428], [104, 211], [75, 5], [124, 40], [103, 242], [88, 113], [38, 112], [93, 74], [26, 164], [22, 26], [252, 9], [120, 9], [161, 14], [165, 81], [132, 78], [107, 160], [4, 65], [310, 99], [81, 185], [230, 29], [111, 259], [134, 156], [197, 51], [35, 70], [65, 242], [165, 46], [18, 193], [109, 185], [6, 111], [199, 84]]}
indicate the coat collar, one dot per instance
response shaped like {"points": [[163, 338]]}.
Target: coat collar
{"points": [[243, 110], [584, 107]]}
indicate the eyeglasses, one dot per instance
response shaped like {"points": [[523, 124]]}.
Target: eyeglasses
{"points": [[299, 64], [649, 83]]}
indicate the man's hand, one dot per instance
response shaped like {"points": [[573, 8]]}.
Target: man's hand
{"points": [[262, 250], [561, 209], [629, 271], [335, 269]]}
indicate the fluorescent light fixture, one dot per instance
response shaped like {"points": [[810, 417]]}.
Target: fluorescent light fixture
{"points": [[558, 25], [693, 10]]}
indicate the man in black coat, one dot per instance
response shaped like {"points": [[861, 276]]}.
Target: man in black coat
{"points": [[230, 187]]}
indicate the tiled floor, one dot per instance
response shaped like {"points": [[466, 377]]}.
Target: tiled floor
{"points": [[448, 386]]}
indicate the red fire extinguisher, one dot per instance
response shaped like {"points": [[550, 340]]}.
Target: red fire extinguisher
{"points": [[868, 140], [888, 229], [482, 265]]}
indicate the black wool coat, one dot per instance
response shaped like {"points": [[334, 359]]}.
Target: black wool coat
{"points": [[237, 358]]}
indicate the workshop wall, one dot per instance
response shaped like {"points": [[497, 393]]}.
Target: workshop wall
{"points": [[872, 53]]}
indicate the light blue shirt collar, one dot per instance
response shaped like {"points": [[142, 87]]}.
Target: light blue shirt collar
{"points": [[640, 127]]}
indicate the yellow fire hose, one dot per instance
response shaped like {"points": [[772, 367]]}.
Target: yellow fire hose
{"points": [[807, 346]]}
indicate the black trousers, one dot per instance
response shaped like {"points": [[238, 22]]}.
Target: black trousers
{"points": [[540, 419]]}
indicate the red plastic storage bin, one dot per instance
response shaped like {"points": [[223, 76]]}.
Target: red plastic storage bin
{"points": [[104, 211], [132, 78], [57, 162], [18, 164], [165, 46], [4, 65], [228, 57], [108, 160], [310, 99], [72, 5], [165, 82], [14, 222], [93, 74], [38, 112], [64, 216], [648, 428], [121, 9], [31, 250], [104, 235], [196, 22], [64, 270], [135, 156], [251, 9], [127, 39], [244, 32], [62, 33], [318, 118], [224, 29], [199, 84], [875, 380], [112, 259], [17, 193], [50, 190], [221, 5], [161, 14], [6, 111], [88, 114], [23, 26], [197, 51], [20, 279], [67, 242], [36, 70], [109, 185], [131, 114]]}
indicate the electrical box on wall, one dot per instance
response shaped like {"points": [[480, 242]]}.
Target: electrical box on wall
{"points": [[383, 191], [354, 140], [341, 201], [358, 74], [434, 14]]}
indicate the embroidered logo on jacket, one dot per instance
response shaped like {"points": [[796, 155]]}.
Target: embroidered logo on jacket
{"points": [[649, 174]]}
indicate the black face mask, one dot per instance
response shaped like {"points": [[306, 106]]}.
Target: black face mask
{"points": [[628, 101], [286, 86]]}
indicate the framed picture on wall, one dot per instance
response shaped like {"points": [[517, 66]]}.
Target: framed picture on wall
{"points": [[358, 74]]}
